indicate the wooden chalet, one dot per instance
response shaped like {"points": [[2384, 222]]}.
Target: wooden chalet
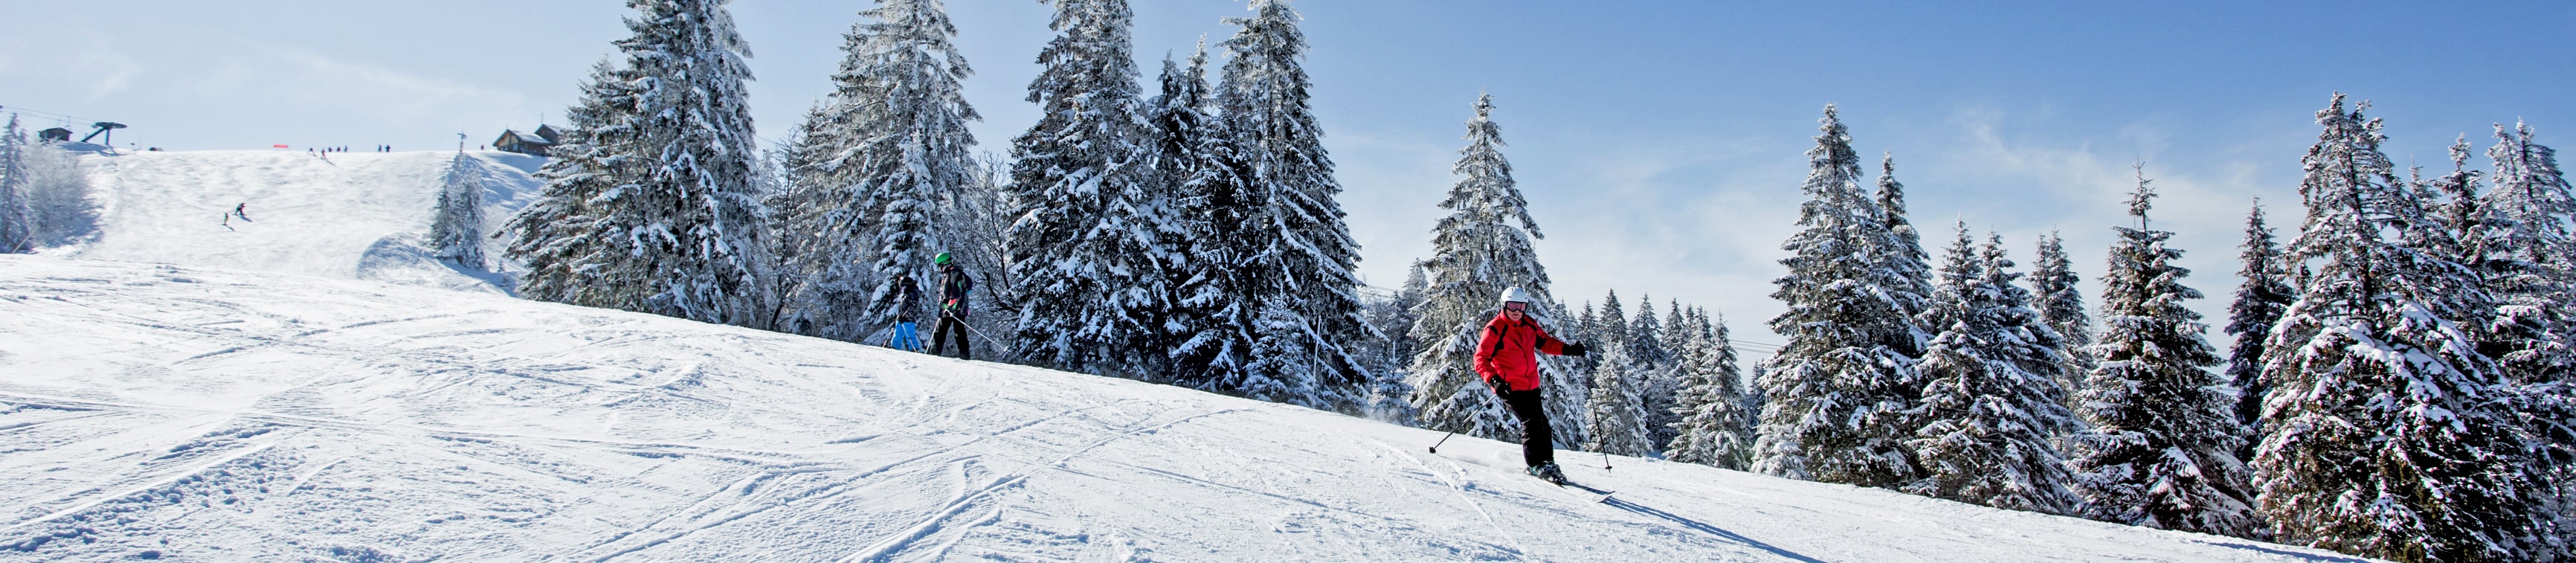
{"points": [[531, 143]]}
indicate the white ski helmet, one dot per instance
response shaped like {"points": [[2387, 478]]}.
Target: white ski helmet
{"points": [[1516, 295]]}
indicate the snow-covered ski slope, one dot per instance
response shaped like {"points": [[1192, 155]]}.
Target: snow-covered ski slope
{"points": [[348, 215], [199, 414]]}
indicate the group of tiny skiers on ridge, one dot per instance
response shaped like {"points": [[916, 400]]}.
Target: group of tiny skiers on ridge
{"points": [[1506, 356]]}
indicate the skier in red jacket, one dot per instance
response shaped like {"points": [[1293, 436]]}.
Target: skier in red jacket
{"points": [[1507, 358]]}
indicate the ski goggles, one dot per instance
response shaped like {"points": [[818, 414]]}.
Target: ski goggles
{"points": [[1524, 307]]}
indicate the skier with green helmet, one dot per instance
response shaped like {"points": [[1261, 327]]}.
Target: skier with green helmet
{"points": [[953, 285]]}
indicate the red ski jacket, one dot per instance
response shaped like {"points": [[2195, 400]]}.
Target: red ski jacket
{"points": [[1509, 351]]}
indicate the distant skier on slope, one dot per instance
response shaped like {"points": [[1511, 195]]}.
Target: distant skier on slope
{"points": [[907, 297], [953, 285], [1507, 358]]}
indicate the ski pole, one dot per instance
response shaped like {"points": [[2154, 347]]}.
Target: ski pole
{"points": [[997, 344], [1444, 438]]}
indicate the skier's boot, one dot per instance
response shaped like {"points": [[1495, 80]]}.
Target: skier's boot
{"points": [[1548, 471]]}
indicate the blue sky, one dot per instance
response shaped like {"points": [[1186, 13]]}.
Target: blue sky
{"points": [[1659, 142]]}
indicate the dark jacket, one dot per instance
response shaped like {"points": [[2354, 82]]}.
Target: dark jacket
{"points": [[1509, 352], [953, 285], [907, 298]]}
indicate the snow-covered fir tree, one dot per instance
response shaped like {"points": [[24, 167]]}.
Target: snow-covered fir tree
{"points": [[17, 226], [2061, 305], [1660, 346], [1394, 316], [1391, 395], [1992, 407], [1617, 415], [2161, 451], [2260, 299], [1190, 162], [1678, 331], [1899, 250], [2526, 257], [868, 167], [660, 199], [559, 236], [456, 226], [2383, 434], [1298, 249], [59, 203], [1214, 295], [1716, 426], [1088, 254], [1610, 325], [1480, 249], [1839, 390]]}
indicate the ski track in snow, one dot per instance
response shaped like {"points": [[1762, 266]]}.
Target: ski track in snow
{"points": [[252, 416]]}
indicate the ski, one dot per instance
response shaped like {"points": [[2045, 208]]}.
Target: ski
{"points": [[1604, 496]]}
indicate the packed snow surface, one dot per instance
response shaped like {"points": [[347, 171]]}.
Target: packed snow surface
{"points": [[348, 215], [197, 414]]}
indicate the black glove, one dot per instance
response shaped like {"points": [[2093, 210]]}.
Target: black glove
{"points": [[1500, 386], [1575, 349]]}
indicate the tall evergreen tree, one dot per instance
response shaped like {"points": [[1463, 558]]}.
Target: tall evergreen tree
{"points": [[559, 237], [1716, 426], [456, 226], [1653, 371], [1839, 390], [1663, 392], [17, 227], [2528, 257], [869, 165], [2260, 300], [1191, 163], [1992, 406], [1617, 415], [1391, 396], [59, 202], [2061, 305], [1299, 252], [1480, 249], [2161, 452], [1899, 250], [2383, 435], [1215, 292], [666, 219], [1088, 256]]}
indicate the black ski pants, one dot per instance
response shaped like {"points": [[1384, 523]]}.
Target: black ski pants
{"points": [[1538, 443], [939, 336]]}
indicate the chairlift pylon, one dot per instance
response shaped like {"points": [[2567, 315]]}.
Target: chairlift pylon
{"points": [[104, 127]]}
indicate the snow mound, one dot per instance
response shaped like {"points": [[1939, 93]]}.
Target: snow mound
{"points": [[345, 215], [157, 411]]}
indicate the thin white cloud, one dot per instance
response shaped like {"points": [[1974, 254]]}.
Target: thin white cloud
{"points": [[90, 63], [400, 96]]}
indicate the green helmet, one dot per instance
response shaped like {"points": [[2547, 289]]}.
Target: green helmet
{"points": [[943, 259]]}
